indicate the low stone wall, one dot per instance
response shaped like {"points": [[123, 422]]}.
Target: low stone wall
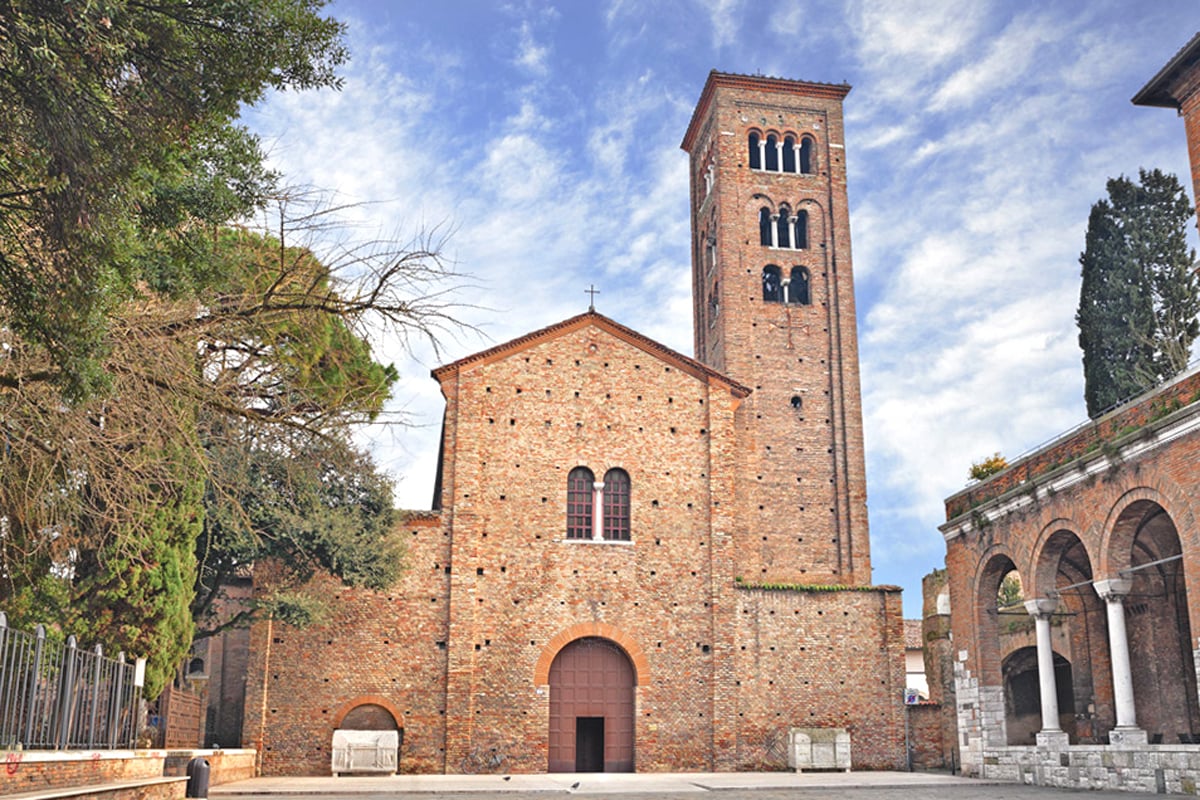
{"points": [[1161, 768], [34, 770], [225, 766], [40, 770]]}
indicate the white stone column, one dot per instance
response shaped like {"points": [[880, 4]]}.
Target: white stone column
{"points": [[779, 154], [762, 152], [1041, 610], [598, 511], [774, 230], [796, 155], [792, 227], [785, 283], [1113, 592]]}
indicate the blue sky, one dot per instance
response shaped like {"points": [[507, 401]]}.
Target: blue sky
{"points": [[545, 139]]}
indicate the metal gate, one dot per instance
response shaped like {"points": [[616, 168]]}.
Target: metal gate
{"points": [[591, 708]]}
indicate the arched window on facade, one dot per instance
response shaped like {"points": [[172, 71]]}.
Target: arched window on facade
{"points": [[755, 154], [580, 489], [772, 159], [783, 232], [616, 505], [772, 280], [800, 238], [806, 155], [798, 289], [714, 303], [789, 154], [764, 226]]}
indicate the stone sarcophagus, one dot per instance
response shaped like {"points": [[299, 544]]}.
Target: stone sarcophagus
{"points": [[365, 751], [819, 748]]}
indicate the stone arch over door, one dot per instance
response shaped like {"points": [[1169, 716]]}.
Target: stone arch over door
{"points": [[592, 707]]}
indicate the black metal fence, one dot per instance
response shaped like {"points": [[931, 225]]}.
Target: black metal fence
{"points": [[55, 696]]}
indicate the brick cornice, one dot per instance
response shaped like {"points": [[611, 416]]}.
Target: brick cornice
{"points": [[758, 83]]}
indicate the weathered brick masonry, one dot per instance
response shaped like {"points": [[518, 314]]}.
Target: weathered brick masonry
{"points": [[740, 600]]}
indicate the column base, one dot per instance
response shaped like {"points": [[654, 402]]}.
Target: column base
{"points": [[1053, 740], [1127, 737]]}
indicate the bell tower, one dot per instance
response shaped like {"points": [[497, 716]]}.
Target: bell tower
{"points": [[773, 296]]}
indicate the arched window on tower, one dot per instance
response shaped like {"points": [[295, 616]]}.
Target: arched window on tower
{"points": [[799, 291], [801, 239], [764, 226], [789, 154], [616, 505], [755, 154], [783, 227], [772, 278], [772, 160], [714, 303], [580, 488], [806, 155]]}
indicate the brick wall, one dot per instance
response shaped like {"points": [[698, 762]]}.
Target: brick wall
{"points": [[928, 748], [493, 587], [29, 771]]}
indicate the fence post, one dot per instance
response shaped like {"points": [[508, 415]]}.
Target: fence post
{"points": [[66, 694], [114, 717], [40, 633], [99, 654]]}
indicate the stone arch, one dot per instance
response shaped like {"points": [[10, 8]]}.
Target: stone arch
{"points": [[1143, 544], [1063, 570], [993, 566], [583, 630], [344, 710]]}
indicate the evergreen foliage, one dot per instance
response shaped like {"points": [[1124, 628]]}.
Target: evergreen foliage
{"points": [[1140, 294], [172, 382]]}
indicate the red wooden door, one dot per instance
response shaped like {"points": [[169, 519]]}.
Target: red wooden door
{"points": [[591, 679]]}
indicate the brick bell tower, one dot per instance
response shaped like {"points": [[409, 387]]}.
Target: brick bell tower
{"points": [[773, 295]]}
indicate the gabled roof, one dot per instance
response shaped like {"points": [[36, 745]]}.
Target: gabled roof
{"points": [[831, 91], [661, 352], [1160, 91]]}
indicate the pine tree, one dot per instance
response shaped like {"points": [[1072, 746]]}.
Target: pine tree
{"points": [[1140, 295]]}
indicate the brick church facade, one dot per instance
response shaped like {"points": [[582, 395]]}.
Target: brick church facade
{"points": [[638, 560]]}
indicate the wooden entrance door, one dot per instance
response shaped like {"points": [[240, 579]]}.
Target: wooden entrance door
{"points": [[591, 708]]}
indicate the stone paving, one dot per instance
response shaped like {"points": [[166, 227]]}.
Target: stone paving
{"points": [[653, 786]]}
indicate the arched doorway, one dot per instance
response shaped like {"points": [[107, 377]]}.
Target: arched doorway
{"points": [[1022, 695], [592, 685]]}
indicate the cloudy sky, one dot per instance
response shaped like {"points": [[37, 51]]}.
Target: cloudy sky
{"points": [[545, 138]]}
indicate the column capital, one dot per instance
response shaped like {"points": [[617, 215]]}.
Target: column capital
{"points": [[1041, 607], [598, 484], [1113, 589]]}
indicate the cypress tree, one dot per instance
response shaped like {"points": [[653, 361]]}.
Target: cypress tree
{"points": [[1140, 295]]}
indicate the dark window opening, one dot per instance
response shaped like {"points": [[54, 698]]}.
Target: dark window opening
{"points": [[772, 159], [783, 227], [801, 226], [580, 486], [616, 505], [755, 161], [798, 287], [806, 155], [764, 226], [789, 154], [772, 279], [797, 402]]}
